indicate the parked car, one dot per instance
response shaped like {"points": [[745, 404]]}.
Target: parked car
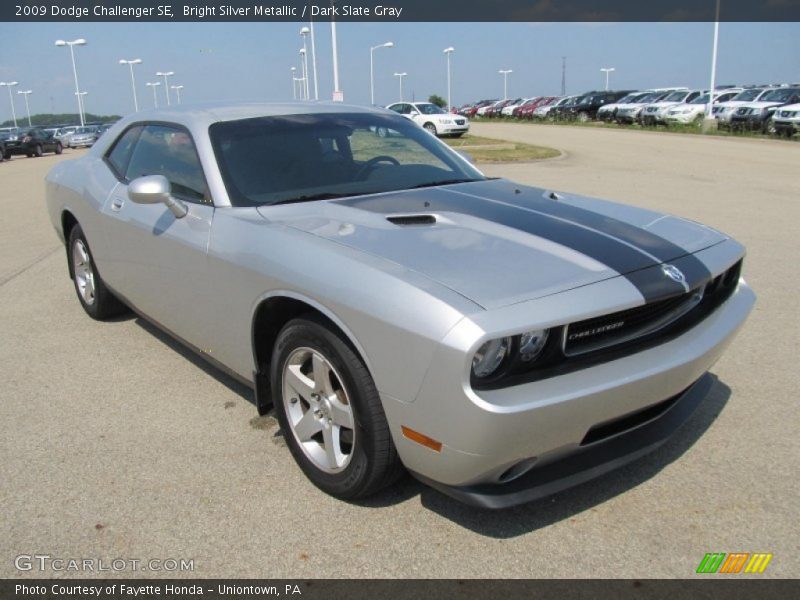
{"points": [[520, 110], [486, 107], [787, 120], [30, 141], [695, 111], [472, 111], [629, 112], [83, 137], [608, 112], [546, 110], [758, 115], [508, 109], [498, 343], [655, 112], [561, 111], [433, 119], [62, 134], [723, 111], [588, 105]]}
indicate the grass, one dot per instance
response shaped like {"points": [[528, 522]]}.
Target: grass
{"points": [[691, 129], [488, 150]]}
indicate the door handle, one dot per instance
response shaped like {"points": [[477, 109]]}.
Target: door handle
{"points": [[117, 204]]}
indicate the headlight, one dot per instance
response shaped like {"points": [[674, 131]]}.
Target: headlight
{"points": [[490, 356], [531, 344]]}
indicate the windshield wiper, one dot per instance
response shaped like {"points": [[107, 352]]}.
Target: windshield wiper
{"points": [[312, 197], [446, 182]]}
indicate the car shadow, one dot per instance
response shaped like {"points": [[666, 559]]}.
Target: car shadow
{"points": [[523, 519], [512, 522]]}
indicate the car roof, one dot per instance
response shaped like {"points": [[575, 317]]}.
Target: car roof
{"points": [[200, 115]]}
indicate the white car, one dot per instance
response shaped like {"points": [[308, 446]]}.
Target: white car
{"points": [[629, 111], [655, 113], [608, 112], [787, 120], [432, 118], [723, 111], [508, 111], [684, 114], [482, 110], [542, 112]]}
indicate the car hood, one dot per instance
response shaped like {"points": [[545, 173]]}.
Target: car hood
{"points": [[497, 243], [762, 104]]}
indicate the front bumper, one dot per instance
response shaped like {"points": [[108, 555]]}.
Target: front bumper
{"points": [[746, 122], [787, 127], [490, 436], [589, 461], [451, 129]]}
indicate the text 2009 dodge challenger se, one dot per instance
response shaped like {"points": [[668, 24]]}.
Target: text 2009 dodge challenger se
{"points": [[398, 308]]}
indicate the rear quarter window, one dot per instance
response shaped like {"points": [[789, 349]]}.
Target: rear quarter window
{"points": [[120, 153]]}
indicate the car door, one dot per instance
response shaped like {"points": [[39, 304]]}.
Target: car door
{"points": [[156, 261]]}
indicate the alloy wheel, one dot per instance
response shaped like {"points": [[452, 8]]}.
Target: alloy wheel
{"points": [[84, 273]]}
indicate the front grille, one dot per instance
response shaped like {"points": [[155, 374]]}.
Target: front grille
{"points": [[616, 328], [460, 121], [629, 325], [742, 111]]}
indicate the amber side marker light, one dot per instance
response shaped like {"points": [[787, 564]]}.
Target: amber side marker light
{"points": [[416, 436]]}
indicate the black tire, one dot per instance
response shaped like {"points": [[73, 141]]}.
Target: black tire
{"points": [[37, 151], [104, 304], [373, 463], [59, 148], [430, 128], [769, 127]]}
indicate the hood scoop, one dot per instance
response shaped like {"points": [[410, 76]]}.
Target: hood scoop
{"points": [[411, 220]]}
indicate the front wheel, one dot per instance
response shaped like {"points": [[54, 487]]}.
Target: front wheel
{"points": [[330, 412], [769, 127], [37, 152], [430, 128], [95, 298], [59, 148]]}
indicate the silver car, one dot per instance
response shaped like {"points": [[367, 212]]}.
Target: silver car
{"points": [[398, 309]]}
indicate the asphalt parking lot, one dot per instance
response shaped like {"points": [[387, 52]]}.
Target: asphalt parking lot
{"points": [[118, 443]]}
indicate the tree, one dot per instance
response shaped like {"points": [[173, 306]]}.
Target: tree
{"points": [[437, 100]]}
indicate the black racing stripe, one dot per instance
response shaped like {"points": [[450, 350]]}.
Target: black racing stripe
{"points": [[639, 268], [532, 198], [606, 250]]}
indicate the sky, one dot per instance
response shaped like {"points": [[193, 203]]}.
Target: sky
{"points": [[251, 61]]}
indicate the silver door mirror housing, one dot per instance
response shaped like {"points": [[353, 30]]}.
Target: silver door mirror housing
{"points": [[155, 189]]}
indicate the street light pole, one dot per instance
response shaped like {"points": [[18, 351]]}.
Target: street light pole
{"points": [[294, 83], [337, 93], [154, 85], [9, 85], [607, 70], [78, 42], [400, 76], [304, 71], [314, 59], [448, 52], [710, 105], [82, 102], [372, 69], [303, 33], [165, 75], [177, 89], [27, 108], [504, 73], [130, 63]]}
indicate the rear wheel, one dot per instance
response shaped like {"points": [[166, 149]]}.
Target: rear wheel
{"points": [[95, 298], [330, 411]]}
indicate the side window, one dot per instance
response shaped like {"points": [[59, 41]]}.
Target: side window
{"points": [[692, 96], [120, 152], [169, 151], [398, 108]]}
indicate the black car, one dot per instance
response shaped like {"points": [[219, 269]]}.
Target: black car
{"points": [[31, 141], [758, 115], [587, 105]]}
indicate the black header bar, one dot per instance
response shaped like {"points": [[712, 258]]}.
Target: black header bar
{"points": [[399, 10]]}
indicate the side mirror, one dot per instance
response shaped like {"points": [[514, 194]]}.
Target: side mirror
{"points": [[155, 189]]}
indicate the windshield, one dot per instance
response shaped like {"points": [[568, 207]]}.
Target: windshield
{"points": [[747, 95], [701, 100], [781, 95], [429, 109], [269, 160], [675, 97], [85, 130], [647, 98]]}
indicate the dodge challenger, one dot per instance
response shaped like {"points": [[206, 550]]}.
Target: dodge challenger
{"points": [[399, 310]]}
